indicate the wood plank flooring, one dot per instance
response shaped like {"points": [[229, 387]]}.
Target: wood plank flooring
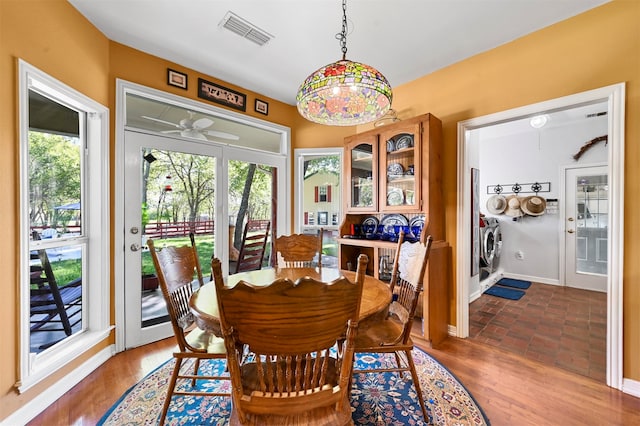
{"points": [[511, 389]]}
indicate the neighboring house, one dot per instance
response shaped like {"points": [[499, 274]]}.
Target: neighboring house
{"points": [[321, 206], [594, 49]]}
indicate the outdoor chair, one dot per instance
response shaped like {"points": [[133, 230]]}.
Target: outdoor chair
{"points": [[50, 303], [178, 269], [393, 334], [290, 348], [254, 243], [299, 250]]}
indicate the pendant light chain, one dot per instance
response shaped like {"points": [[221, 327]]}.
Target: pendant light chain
{"points": [[342, 36]]}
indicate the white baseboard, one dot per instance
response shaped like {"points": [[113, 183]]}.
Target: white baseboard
{"points": [[532, 279], [631, 387], [37, 405]]}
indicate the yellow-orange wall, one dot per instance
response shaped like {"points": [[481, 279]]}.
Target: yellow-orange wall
{"points": [[595, 49]]}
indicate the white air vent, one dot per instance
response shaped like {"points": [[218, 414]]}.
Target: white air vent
{"points": [[245, 29]]}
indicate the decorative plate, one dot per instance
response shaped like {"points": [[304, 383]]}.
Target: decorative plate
{"points": [[370, 221], [395, 169], [391, 145], [404, 142], [417, 221], [391, 220], [395, 197]]}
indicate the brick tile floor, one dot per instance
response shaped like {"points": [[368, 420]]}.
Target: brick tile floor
{"points": [[556, 325]]}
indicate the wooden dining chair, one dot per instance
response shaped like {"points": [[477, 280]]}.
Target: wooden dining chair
{"points": [[299, 250], [298, 348], [254, 244], [393, 334], [178, 269]]}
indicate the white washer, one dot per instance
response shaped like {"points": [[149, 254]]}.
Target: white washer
{"points": [[490, 245], [497, 246]]}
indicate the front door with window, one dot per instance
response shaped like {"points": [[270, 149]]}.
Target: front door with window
{"points": [[586, 228]]}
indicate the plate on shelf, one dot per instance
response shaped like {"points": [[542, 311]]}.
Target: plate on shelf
{"points": [[391, 145], [395, 169], [404, 142], [370, 221], [395, 197], [389, 221], [417, 221]]}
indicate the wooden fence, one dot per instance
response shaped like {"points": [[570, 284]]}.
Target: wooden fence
{"points": [[177, 229]]}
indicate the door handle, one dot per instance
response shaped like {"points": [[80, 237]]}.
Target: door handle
{"points": [[570, 219], [571, 231], [135, 247]]}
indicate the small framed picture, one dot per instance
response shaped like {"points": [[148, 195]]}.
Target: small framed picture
{"points": [[175, 78], [262, 107]]}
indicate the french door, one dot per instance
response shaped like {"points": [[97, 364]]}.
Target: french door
{"points": [[174, 186], [586, 228], [171, 189]]}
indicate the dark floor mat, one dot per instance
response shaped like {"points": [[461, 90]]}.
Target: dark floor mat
{"points": [[505, 293], [510, 282]]}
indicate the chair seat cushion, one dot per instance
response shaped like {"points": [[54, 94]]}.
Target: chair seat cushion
{"points": [[201, 339]]}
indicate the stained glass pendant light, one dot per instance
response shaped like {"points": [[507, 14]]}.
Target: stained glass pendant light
{"points": [[344, 93]]}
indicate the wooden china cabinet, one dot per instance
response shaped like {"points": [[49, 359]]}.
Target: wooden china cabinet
{"points": [[394, 178]]}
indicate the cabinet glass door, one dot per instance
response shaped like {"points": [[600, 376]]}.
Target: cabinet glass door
{"points": [[362, 160], [400, 170]]}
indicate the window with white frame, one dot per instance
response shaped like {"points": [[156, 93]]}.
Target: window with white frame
{"points": [[318, 176], [64, 240]]}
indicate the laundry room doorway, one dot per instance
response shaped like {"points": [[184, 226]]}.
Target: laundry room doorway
{"points": [[613, 99]]}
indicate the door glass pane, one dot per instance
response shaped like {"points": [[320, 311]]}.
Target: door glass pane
{"points": [[178, 198], [362, 176], [252, 197], [321, 201], [55, 188], [592, 197]]}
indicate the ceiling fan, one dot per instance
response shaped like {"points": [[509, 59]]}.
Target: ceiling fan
{"points": [[190, 128]]}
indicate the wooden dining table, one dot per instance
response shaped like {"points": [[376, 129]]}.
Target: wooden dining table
{"points": [[376, 295]]}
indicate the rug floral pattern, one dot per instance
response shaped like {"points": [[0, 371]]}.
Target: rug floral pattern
{"points": [[376, 398]]}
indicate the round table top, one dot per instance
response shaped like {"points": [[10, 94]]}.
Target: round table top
{"points": [[376, 295]]}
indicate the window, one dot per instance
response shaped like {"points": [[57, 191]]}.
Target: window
{"points": [[318, 176], [323, 194], [64, 285]]}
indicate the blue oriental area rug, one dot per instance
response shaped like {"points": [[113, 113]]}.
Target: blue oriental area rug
{"points": [[376, 398]]}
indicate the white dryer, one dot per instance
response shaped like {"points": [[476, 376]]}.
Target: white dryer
{"points": [[490, 246]]}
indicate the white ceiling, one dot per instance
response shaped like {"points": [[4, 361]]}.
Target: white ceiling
{"points": [[404, 39]]}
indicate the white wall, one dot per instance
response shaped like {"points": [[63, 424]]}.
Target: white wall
{"points": [[534, 156]]}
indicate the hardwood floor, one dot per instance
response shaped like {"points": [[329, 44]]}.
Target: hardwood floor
{"points": [[512, 390]]}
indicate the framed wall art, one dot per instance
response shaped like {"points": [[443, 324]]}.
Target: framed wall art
{"points": [[175, 78], [222, 95], [262, 107]]}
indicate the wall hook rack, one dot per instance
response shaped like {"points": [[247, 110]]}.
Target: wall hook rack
{"points": [[519, 188]]}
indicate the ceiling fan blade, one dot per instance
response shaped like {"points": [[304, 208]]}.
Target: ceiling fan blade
{"points": [[222, 135], [202, 123], [192, 133], [166, 132], [161, 121]]}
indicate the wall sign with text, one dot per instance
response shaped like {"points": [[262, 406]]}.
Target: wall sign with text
{"points": [[222, 95]]}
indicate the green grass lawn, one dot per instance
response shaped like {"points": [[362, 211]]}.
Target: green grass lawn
{"points": [[67, 270]]}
